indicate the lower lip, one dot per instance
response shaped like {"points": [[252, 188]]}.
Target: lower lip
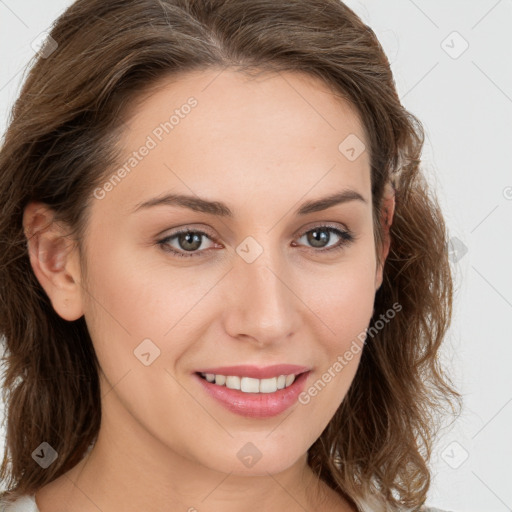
{"points": [[256, 405]]}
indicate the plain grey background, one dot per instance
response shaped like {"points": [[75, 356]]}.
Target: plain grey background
{"points": [[452, 65]]}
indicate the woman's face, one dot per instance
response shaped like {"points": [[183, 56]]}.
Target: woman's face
{"points": [[254, 283]]}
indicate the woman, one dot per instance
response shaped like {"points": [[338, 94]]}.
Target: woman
{"points": [[224, 278]]}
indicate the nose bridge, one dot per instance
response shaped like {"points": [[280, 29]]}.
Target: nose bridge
{"points": [[262, 307]]}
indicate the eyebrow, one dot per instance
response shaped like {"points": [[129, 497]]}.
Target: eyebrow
{"points": [[220, 209]]}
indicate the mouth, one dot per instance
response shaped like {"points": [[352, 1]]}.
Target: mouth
{"points": [[250, 384], [253, 397]]}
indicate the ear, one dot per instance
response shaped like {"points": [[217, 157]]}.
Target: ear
{"points": [[54, 259], [386, 219]]}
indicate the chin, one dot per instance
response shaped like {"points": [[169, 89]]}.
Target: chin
{"points": [[249, 460]]}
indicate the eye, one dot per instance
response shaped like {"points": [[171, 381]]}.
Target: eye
{"points": [[321, 235], [189, 241]]}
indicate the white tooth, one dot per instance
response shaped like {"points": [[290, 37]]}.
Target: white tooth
{"points": [[233, 382], [220, 380], [268, 385], [289, 380], [249, 385]]}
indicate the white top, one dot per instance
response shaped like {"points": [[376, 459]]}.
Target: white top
{"points": [[27, 503]]}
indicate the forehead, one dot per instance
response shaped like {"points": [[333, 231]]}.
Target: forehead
{"points": [[218, 133]]}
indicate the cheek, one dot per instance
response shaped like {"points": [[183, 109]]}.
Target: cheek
{"points": [[343, 306], [343, 297], [134, 297], [126, 290], [347, 311], [119, 311]]}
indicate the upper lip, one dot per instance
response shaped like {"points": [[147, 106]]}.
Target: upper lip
{"points": [[256, 372]]}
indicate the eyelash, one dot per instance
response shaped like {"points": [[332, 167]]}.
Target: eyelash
{"points": [[346, 238]]}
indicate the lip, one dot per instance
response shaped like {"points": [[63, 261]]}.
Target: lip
{"points": [[267, 372], [255, 405]]}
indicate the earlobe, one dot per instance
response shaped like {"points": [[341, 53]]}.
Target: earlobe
{"points": [[54, 260], [386, 219]]}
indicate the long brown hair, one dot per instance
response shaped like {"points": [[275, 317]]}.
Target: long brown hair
{"points": [[59, 146]]}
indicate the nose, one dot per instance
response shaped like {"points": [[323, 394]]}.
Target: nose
{"points": [[261, 304]]}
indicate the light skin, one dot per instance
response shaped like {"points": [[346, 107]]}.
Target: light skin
{"points": [[263, 147]]}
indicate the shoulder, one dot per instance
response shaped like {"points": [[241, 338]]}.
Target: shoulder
{"points": [[432, 509], [25, 503]]}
